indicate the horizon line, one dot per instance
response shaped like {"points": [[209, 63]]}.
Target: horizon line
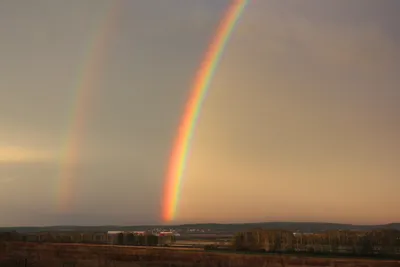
{"points": [[199, 223]]}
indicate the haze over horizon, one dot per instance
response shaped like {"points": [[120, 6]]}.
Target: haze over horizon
{"points": [[301, 122]]}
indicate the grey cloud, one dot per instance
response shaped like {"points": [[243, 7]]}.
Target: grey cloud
{"points": [[303, 105]]}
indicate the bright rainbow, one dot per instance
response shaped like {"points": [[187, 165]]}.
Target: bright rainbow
{"points": [[198, 93], [89, 75]]}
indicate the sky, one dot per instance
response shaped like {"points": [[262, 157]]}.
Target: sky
{"points": [[300, 123]]}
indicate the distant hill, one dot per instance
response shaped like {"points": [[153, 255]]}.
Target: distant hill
{"points": [[292, 226], [311, 227]]}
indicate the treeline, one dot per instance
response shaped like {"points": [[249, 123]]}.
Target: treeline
{"points": [[375, 242], [118, 238]]}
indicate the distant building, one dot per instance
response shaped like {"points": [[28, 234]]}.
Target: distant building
{"points": [[165, 233]]}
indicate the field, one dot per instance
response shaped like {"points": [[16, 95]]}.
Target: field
{"points": [[202, 240], [50, 255]]}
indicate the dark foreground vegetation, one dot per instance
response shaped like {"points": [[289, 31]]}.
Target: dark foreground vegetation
{"points": [[305, 254], [95, 255]]}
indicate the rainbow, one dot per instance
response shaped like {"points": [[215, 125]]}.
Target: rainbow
{"points": [[88, 76], [193, 106]]}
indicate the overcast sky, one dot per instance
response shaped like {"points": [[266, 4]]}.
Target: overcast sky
{"points": [[301, 122]]}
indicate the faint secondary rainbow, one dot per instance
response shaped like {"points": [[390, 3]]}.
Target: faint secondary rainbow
{"points": [[82, 94], [193, 106]]}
